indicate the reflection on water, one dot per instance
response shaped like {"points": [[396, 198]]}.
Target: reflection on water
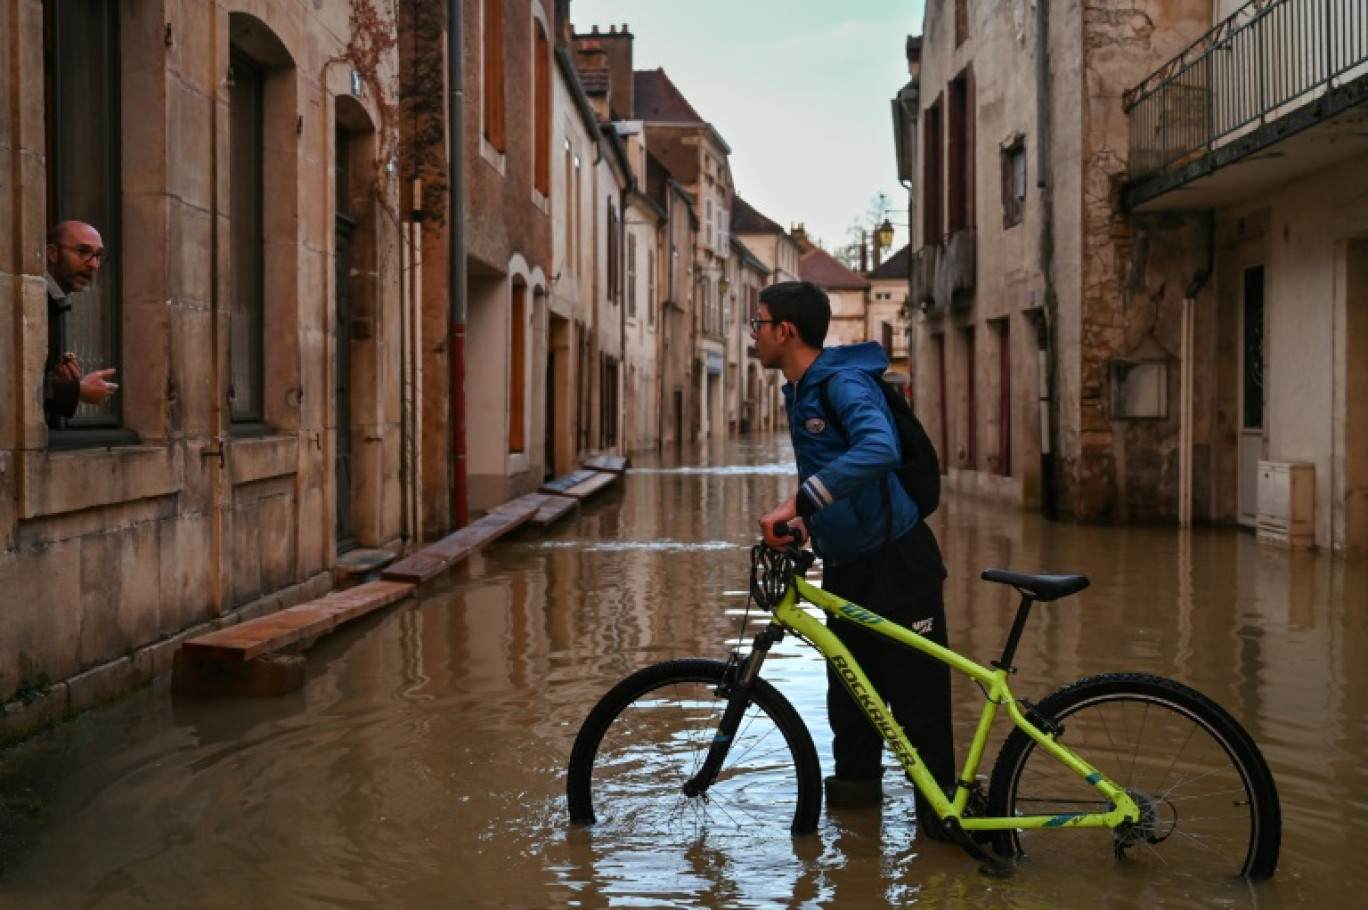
{"points": [[422, 765]]}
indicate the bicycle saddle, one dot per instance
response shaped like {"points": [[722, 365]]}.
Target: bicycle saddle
{"points": [[1040, 587]]}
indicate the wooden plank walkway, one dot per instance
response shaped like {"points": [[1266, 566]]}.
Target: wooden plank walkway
{"points": [[566, 481], [257, 657], [615, 463], [301, 624], [445, 553], [550, 507], [592, 484]]}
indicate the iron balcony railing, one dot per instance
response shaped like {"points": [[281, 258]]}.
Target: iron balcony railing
{"points": [[1269, 58], [943, 271]]}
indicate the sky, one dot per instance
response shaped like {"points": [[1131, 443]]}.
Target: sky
{"points": [[799, 89]]}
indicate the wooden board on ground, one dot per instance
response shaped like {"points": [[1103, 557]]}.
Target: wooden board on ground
{"points": [[249, 640], [445, 553], [550, 507], [591, 485], [614, 463], [566, 481]]}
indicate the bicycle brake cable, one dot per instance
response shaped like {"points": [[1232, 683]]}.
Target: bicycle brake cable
{"points": [[767, 583]]}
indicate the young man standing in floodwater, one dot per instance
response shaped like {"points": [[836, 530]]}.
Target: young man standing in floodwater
{"points": [[876, 549]]}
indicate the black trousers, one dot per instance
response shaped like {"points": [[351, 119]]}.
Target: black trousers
{"points": [[902, 582]]}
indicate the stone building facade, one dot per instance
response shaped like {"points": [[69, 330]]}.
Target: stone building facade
{"points": [[237, 159], [1113, 330], [373, 272]]}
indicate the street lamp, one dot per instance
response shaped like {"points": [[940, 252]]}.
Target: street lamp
{"points": [[723, 285], [883, 234]]}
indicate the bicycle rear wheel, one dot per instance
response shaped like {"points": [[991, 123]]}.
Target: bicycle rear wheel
{"points": [[649, 735], [1207, 799]]}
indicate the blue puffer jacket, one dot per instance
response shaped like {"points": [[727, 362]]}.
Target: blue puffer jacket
{"points": [[849, 481]]}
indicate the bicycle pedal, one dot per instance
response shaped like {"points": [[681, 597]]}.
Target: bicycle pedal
{"points": [[989, 865], [996, 868]]}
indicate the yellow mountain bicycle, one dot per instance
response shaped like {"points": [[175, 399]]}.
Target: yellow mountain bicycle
{"points": [[1124, 765]]}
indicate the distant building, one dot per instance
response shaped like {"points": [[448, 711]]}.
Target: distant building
{"points": [[888, 312], [849, 292]]}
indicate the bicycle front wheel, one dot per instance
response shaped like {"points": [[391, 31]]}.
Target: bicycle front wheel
{"points": [[1208, 804], [649, 736]]}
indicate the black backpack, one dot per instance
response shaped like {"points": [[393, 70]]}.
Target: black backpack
{"points": [[919, 472]]}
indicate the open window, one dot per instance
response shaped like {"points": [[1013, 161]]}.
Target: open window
{"points": [[82, 92]]}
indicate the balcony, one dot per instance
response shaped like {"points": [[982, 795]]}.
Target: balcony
{"points": [[943, 272], [1285, 73]]}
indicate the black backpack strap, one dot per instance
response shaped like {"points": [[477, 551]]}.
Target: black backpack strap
{"points": [[834, 420], [831, 416]]}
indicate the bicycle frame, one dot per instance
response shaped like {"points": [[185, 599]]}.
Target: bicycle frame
{"points": [[788, 615]]}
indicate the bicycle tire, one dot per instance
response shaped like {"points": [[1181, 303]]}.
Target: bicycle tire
{"points": [[1208, 802], [649, 735]]}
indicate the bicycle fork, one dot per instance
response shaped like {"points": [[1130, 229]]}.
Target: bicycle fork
{"points": [[736, 687]]}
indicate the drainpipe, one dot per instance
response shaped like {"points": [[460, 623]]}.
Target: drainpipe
{"points": [[456, 258], [1185, 456], [1049, 428], [625, 199], [213, 453]]}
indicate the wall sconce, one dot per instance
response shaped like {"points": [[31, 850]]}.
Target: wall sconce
{"points": [[723, 285], [883, 234]]}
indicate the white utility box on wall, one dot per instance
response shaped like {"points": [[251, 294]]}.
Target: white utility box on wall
{"points": [[1287, 502]]}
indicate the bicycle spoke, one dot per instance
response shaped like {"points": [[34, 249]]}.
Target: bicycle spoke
{"points": [[1206, 801], [646, 741]]}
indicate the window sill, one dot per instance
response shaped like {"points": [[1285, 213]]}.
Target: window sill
{"points": [[71, 479], [104, 438]]}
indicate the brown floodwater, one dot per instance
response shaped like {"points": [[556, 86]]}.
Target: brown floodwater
{"points": [[422, 766]]}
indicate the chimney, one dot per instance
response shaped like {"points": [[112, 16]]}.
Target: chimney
{"points": [[563, 28], [914, 52]]}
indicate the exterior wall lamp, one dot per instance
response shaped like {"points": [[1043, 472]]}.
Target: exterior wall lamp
{"points": [[883, 234]]}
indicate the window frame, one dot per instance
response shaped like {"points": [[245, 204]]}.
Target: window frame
{"points": [[1014, 181], [494, 106], [541, 109], [251, 419], [91, 329], [631, 274]]}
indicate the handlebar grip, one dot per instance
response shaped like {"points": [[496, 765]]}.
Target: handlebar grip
{"points": [[782, 529]]}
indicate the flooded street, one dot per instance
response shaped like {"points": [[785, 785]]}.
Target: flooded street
{"points": [[422, 766]]}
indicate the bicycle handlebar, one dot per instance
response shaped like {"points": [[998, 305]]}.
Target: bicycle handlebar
{"points": [[782, 529]]}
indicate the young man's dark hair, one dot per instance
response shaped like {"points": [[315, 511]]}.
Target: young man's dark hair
{"points": [[803, 304]]}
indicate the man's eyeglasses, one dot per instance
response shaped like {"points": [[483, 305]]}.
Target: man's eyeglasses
{"points": [[756, 323], [87, 253]]}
